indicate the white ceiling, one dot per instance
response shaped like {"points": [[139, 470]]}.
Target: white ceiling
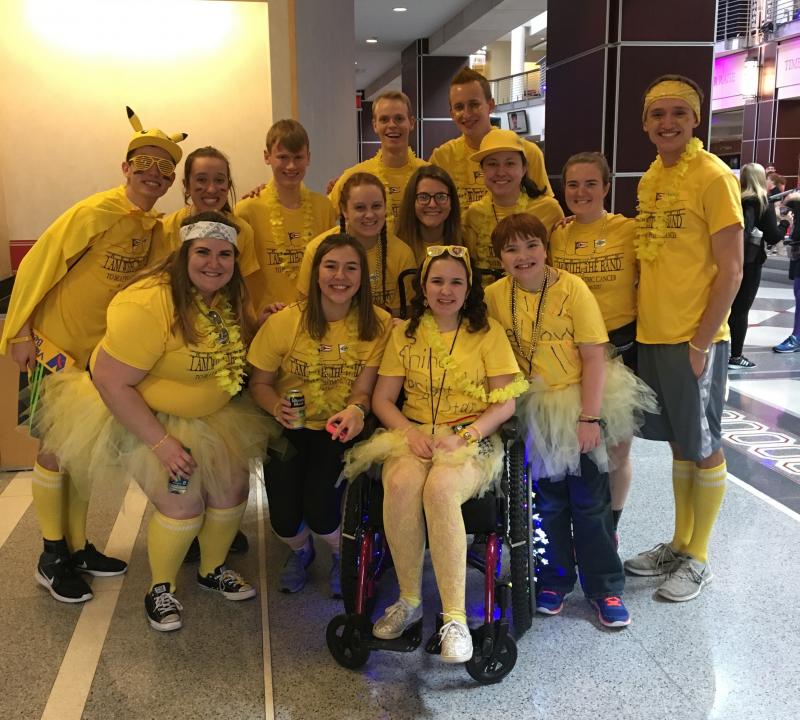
{"points": [[454, 27]]}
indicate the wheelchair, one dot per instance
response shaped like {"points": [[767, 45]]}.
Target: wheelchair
{"points": [[505, 516]]}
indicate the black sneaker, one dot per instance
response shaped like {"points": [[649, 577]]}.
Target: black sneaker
{"points": [[56, 573], [740, 362], [163, 609], [239, 546], [91, 560], [228, 582]]}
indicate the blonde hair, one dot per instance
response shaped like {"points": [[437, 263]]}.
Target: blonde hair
{"points": [[753, 180]]}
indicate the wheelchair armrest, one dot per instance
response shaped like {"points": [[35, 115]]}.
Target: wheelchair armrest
{"points": [[511, 430]]}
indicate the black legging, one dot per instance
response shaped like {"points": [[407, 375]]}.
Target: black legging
{"points": [[751, 279], [302, 488]]}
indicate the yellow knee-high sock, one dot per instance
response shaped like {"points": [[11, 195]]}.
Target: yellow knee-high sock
{"points": [[215, 538], [48, 501], [168, 540], [707, 494], [76, 510], [682, 481]]}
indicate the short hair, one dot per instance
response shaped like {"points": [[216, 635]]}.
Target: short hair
{"points": [[393, 95], [587, 158], [679, 78], [776, 179], [289, 133], [517, 225], [467, 75]]}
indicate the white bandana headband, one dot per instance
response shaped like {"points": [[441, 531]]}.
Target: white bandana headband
{"points": [[206, 229]]}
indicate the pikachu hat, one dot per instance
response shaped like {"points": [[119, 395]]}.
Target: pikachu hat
{"points": [[155, 137]]}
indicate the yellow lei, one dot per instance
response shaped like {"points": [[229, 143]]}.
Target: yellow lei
{"points": [[657, 197], [324, 403], [229, 360], [433, 337], [276, 223]]}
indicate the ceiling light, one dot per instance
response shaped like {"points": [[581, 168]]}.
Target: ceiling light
{"points": [[372, 41], [399, 9]]}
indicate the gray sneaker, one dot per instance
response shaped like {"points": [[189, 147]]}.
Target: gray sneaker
{"points": [[660, 560], [335, 578], [456, 642], [396, 620], [293, 575], [686, 581]]}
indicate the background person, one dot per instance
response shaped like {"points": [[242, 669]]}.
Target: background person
{"points": [[329, 347], [159, 406], [61, 292]]}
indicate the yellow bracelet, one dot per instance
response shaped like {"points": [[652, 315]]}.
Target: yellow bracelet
{"points": [[584, 416], [160, 442], [697, 349], [17, 340]]}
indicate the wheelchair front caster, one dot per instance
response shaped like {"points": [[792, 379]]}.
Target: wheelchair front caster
{"points": [[495, 653], [345, 636]]}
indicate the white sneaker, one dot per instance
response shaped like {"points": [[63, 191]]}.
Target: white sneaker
{"points": [[456, 642], [686, 581], [396, 620]]}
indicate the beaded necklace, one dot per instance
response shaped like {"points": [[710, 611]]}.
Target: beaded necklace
{"points": [[279, 235], [537, 323]]}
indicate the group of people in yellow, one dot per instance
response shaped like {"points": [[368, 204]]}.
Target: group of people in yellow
{"points": [[599, 327]]}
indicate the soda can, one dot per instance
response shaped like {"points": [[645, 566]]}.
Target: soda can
{"points": [[297, 402], [177, 485]]}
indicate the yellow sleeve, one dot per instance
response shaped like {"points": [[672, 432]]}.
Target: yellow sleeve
{"points": [[248, 261], [392, 363], [304, 272], [722, 204], [589, 326], [379, 343], [128, 319], [274, 340], [498, 355], [469, 230]]}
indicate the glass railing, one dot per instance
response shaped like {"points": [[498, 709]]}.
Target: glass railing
{"points": [[519, 87], [737, 18]]}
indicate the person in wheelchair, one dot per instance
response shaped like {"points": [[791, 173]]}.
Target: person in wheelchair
{"points": [[578, 403], [460, 376], [329, 347]]}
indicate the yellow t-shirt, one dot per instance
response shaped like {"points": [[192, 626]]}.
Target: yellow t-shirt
{"points": [[398, 258], [393, 179], [674, 288], [479, 356], [482, 217], [68, 278], [278, 280], [571, 317], [180, 378], [453, 156], [283, 345], [167, 238], [603, 256]]}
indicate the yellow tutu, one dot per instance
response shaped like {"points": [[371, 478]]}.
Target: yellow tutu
{"points": [[385, 444], [93, 446], [550, 416]]}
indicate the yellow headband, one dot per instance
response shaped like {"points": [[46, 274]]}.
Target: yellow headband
{"points": [[673, 89], [437, 251]]}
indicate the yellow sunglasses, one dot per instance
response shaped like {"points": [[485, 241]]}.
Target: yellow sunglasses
{"points": [[142, 163], [456, 251]]}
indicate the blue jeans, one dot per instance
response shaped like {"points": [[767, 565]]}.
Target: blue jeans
{"points": [[576, 515]]}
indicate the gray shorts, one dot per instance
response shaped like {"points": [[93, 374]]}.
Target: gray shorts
{"points": [[691, 408]]}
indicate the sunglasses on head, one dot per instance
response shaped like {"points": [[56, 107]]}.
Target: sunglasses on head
{"points": [[222, 332], [456, 251], [142, 163]]}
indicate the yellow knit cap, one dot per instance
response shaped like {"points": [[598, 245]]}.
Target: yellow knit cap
{"points": [[154, 137], [673, 89]]}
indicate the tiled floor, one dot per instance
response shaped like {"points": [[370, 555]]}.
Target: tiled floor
{"points": [[731, 654]]}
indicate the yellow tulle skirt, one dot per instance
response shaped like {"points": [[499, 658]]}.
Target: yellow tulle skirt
{"points": [[94, 447], [549, 418], [385, 444]]}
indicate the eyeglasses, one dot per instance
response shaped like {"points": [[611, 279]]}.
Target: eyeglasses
{"points": [[142, 163], [440, 198], [457, 251], [222, 332]]}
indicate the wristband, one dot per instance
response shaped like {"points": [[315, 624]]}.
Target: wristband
{"points": [[592, 421], [17, 340], [471, 434], [360, 407], [697, 349], [160, 442]]}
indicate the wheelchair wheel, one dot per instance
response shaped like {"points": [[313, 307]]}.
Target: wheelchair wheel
{"points": [[345, 640], [521, 532], [486, 669]]}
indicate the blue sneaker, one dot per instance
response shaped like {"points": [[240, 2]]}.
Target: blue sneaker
{"points": [[791, 344], [549, 602], [611, 612]]}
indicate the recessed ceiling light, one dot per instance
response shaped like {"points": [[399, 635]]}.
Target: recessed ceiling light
{"points": [[372, 41], [400, 9]]}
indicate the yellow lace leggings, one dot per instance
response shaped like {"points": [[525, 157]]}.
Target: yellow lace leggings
{"points": [[412, 485]]}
